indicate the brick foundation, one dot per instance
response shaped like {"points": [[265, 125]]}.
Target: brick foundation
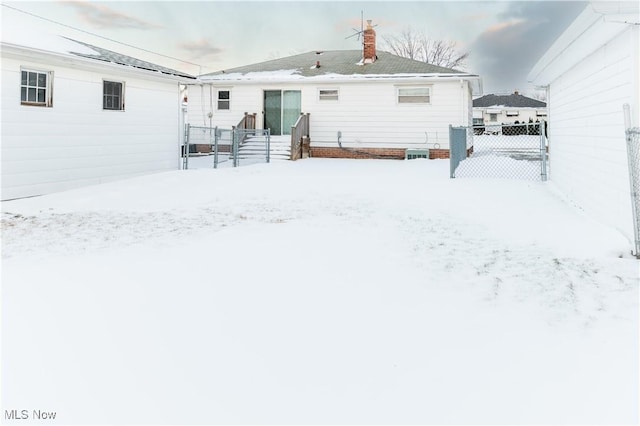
{"points": [[203, 148], [438, 154], [368, 153], [386, 153]]}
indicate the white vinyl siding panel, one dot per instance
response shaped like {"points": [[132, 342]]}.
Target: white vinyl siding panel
{"points": [[587, 138], [367, 114], [76, 142]]}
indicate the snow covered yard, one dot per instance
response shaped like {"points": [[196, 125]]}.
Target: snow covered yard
{"points": [[318, 291]]}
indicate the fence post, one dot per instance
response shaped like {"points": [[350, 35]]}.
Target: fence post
{"points": [[633, 158], [234, 146], [268, 145], [216, 135], [543, 152], [457, 148], [185, 158]]}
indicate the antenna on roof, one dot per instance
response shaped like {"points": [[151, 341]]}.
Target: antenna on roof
{"points": [[359, 33]]}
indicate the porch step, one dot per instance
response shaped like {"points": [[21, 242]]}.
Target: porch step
{"points": [[255, 147]]}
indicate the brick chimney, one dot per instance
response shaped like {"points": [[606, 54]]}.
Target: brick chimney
{"points": [[369, 42]]}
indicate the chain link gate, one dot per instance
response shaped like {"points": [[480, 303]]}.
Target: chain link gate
{"points": [[213, 147], [507, 151]]}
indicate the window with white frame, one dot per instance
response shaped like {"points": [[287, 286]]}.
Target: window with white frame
{"points": [[493, 116], [224, 99], [35, 88], [328, 94], [113, 95], [414, 95]]}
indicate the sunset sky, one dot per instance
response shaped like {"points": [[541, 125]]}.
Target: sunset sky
{"points": [[504, 38]]}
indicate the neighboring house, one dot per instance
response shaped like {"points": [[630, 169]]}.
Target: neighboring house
{"points": [[361, 102], [507, 109], [590, 72], [75, 114]]}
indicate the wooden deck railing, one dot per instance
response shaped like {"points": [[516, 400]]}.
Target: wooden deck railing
{"points": [[300, 137], [247, 122]]}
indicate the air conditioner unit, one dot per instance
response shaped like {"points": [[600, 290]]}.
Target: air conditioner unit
{"points": [[412, 154]]}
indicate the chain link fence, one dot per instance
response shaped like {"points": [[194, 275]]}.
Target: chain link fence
{"points": [[213, 147], [507, 151], [206, 147], [633, 153]]}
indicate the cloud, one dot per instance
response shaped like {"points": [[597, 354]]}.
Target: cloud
{"points": [[502, 26], [200, 49], [475, 17], [104, 17], [503, 54]]}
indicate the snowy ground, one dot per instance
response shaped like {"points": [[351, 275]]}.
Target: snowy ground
{"points": [[317, 291]]}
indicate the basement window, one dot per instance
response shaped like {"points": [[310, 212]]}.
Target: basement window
{"points": [[328, 94], [414, 95], [113, 95], [35, 88], [224, 99]]}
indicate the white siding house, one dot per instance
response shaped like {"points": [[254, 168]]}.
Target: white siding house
{"points": [[507, 109], [92, 116], [368, 101], [590, 72]]}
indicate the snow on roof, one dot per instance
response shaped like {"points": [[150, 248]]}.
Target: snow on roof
{"points": [[262, 75], [338, 62], [339, 65], [514, 100], [55, 43], [294, 74]]}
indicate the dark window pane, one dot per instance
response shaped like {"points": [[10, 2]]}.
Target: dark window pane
{"points": [[32, 78], [41, 95], [24, 78], [42, 80], [23, 94], [223, 104], [223, 94], [32, 95], [112, 96]]}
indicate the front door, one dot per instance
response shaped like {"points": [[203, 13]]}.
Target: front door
{"points": [[281, 110]]}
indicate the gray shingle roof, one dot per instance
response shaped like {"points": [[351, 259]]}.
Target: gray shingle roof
{"points": [[117, 58], [514, 100], [344, 62]]}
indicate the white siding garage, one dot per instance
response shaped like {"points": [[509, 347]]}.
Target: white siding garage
{"points": [[74, 138], [590, 72]]}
